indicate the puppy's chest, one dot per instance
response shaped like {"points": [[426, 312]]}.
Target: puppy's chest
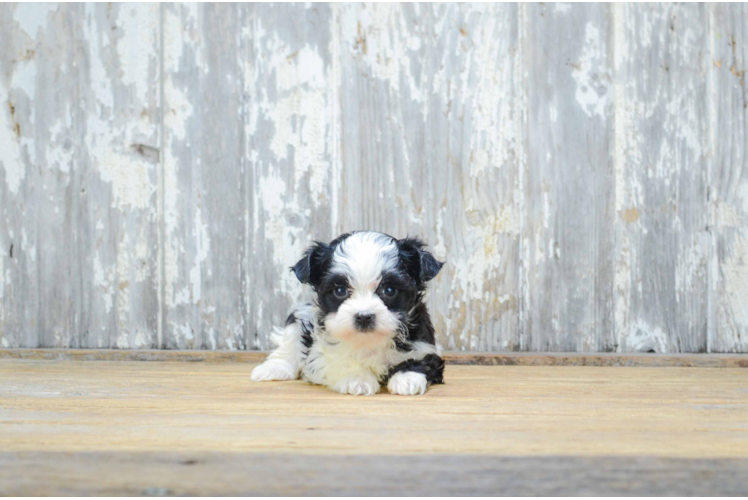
{"points": [[329, 362]]}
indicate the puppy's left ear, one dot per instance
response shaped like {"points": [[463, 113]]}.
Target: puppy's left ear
{"points": [[313, 264], [420, 264], [430, 267]]}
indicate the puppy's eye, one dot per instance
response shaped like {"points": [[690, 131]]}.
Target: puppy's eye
{"points": [[389, 291], [340, 292]]}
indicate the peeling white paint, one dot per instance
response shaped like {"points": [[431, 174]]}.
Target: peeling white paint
{"points": [[4, 281], [592, 92], [683, 121], [14, 139], [10, 148], [366, 32], [735, 272], [98, 78], [109, 139], [376, 33], [141, 255], [726, 215], [129, 177], [141, 340], [63, 157], [183, 332], [440, 249], [299, 115], [471, 274], [301, 125], [121, 279], [443, 91], [181, 31], [546, 209], [622, 122], [173, 246], [644, 338], [287, 240], [493, 140], [32, 253], [138, 24], [202, 243], [230, 341], [123, 340], [102, 283], [690, 269], [179, 35], [31, 17], [622, 283], [180, 109], [25, 73]]}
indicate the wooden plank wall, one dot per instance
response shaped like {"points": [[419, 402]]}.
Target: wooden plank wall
{"points": [[582, 168]]}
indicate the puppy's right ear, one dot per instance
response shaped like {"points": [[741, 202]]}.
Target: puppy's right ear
{"points": [[314, 263]]}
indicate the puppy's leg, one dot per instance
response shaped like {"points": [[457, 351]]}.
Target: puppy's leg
{"points": [[413, 376], [293, 342]]}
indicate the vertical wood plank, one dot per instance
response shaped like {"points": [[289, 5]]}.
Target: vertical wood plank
{"points": [[661, 177], [38, 110], [430, 107], [204, 188], [568, 235], [290, 149], [86, 207], [117, 162], [728, 94]]}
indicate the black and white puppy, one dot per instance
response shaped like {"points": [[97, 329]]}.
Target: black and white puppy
{"points": [[368, 324]]}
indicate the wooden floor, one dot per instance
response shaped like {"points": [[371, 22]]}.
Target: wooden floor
{"points": [[154, 428]]}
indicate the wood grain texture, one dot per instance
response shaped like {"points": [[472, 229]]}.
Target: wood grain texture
{"points": [[272, 474], [430, 110], [581, 169], [450, 357], [80, 109], [728, 26], [568, 235], [289, 132], [204, 185], [662, 210], [37, 309], [81, 427], [116, 165], [100, 406]]}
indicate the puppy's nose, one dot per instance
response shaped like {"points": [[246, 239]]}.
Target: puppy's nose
{"points": [[364, 321]]}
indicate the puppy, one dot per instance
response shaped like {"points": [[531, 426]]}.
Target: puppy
{"points": [[368, 324]]}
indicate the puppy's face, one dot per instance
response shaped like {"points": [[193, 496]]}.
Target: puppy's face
{"points": [[366, 284]]}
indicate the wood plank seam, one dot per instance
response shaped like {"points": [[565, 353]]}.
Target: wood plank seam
{"points": [[453, 358]]}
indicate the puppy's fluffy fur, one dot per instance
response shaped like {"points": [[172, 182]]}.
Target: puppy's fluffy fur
{"points": [[368, 324]]}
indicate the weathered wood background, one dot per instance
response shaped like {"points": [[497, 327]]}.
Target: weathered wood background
{"points": [[582, 168]]}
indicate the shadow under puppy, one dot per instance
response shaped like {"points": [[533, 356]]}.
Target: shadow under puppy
{"points": [[368, 324]]}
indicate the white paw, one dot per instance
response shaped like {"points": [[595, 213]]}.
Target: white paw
{"points": [[407, 383], [364, 384], [274, 369]]}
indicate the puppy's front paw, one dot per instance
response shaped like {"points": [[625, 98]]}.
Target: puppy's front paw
{"points": [[362, 384], [407, 383], [273, 369]]}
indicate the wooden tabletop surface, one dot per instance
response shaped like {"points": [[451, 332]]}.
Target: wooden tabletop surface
{"points": [[126, 427]]}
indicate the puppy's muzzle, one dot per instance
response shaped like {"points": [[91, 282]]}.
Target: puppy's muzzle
{"points": [[365, 321]]}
